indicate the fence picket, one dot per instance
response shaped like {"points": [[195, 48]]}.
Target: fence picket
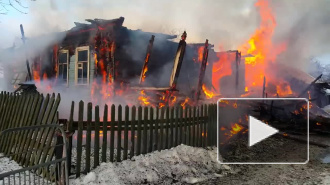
{"points": [[79, 138], [88, 137], [105, 133], [138, 146], [156, 131], [125, 152], [133, 123], [161, 132], [171, 124], [176, 137], [145, 130], [119, 129], [167, 129], [112, 135], [70, 129], [97, 137], [151, 129]]}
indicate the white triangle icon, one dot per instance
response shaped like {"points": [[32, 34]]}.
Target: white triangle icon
{"points": [[259, 131]]}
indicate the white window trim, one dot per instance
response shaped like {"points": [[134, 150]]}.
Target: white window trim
{"points": [[68, 64], [76, 63]]}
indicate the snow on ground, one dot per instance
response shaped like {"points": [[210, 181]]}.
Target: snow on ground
{"points": [[7, 165], [83, 157], [182, 164]]}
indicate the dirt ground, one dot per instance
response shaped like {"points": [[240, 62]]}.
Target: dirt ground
{"points": [[314, 172]]}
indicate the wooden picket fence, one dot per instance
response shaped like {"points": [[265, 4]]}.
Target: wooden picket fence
{"points": [[28, 110], [137, 130]]}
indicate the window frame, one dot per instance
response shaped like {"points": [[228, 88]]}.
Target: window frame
{"points": [[67, 65], [77, 63]]}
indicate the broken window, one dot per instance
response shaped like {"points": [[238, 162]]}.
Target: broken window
{"points": [[63, 63], [82, 69]]}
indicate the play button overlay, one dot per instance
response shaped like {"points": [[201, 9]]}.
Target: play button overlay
{"points": [[260, 130]]}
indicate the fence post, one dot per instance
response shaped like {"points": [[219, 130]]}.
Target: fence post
{"points": [[156, 133], [167, 125], [176, 138], [171, 125], [112, 136], [119, 133], [133, 123], [79, 137], [138, 147], [161, 132], [88, 137], [145, 130], [70, 130], [97, 137], [105, 133], [151, 129], [126, 132]]}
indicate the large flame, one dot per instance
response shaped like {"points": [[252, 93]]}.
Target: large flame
{"points": [[263, 51]]}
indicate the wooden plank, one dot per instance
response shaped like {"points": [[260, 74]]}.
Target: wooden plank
{"points": [[79, 138], [70, 138], [176, 136], [133, 123], [38, 134], [187, 129], [88, 137], [172, 126], [10, 112], [21, 116], [126, 133], [156, 130], [161, 130], [112, 135], [200, 126], [27, 135], [105, 134], [151, 131], [43, 132], [50, 132], [139, 136], [10, 101], [182, 131], [167, 123], [119, 133], [193, 126], [205, 126], [145, 130], [33, 134], [12, 121], [97, 137], [24, 120], [22, 134]]}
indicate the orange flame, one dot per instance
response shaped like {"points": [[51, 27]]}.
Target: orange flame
{"points": [[145, 69], [236, 128], [144, 100], [261, 48], [209, 94]]}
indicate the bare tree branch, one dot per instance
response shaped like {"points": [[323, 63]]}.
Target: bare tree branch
{"points": [[16, 4]]}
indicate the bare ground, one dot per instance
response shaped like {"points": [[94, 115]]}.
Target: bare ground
{"points": [[314, 172]]}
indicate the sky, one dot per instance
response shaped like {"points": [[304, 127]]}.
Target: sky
{"points": [[305, 25]]}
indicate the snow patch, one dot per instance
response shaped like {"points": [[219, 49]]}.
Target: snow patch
{"points": [[182, 164]]}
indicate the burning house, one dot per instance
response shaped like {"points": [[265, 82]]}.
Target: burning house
{"points": [[104, 59]]}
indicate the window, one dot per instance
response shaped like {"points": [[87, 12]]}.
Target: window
{"points": [[82, 65], [63, 64]]}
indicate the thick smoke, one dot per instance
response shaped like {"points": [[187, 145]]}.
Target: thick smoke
{"points": [[227, 24], [305, 26]]}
